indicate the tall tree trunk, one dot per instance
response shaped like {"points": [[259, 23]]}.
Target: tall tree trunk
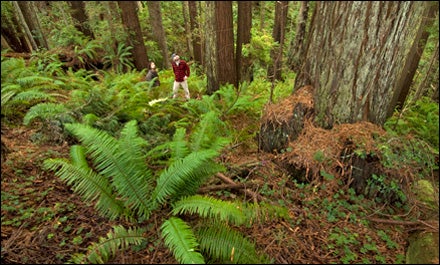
{"points": [[80, 18], [195, 32], [414, 56], [12, 31], [298, 43], [355, 56], [186, 23], [28, 10], [24, 26], [430, 78], [225, 43], [244, 26], [112, 16], [210, 48], [158, 31], [278, 33], [130, 20]]}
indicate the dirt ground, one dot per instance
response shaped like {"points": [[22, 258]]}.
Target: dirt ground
{"points": [[53, 223]]}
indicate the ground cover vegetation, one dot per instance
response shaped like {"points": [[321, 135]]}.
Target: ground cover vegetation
{"points": [[98, 166]]}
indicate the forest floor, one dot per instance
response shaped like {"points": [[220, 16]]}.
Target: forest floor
{"points": [[44, 222]]}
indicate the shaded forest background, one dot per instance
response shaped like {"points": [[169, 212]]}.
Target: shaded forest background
{"points": [[315, 180]]}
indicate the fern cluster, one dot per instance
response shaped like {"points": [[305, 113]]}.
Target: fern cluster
{"points": [[111, 171]]}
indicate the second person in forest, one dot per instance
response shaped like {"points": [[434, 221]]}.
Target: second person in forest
{"points": [[152, 75], [181, 73]]}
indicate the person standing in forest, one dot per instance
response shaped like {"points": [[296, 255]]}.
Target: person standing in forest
{"points": [[181, 73], [153, 75]]}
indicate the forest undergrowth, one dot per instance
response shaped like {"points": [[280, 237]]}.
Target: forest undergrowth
{"points": [[347, 191], [44, 222]]}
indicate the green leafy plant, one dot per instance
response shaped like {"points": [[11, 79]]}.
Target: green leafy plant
{"points": [[122, 186], [120, 61]]}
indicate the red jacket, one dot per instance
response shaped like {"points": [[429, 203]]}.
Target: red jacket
{"points": [[181, 70]]}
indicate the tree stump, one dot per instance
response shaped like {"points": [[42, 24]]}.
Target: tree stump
{"points": [[283, 122]]}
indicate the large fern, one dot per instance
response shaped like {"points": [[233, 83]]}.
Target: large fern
{"points": [[120, 182], [122, 164]]}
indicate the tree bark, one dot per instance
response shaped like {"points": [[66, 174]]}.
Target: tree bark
{"points": [[80, 18], [195, 32], [158, 31], [210, 49], [225, 43], [130, 21], [355, 56], [414, 56], [294, 60], [28, 10], [278, 33], [24, 26], [12, 31], [244, 25]]}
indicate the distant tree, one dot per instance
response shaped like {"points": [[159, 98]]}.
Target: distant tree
{"points": [[112, 17], [414, 56], [11, 29], [210, 55], [195, 32], [158, 31], [225, 43], [27, 32], [130, 20], [244, 25], [187, 27], [80, 18], [32, 21], [355, 59], [278, 34]]}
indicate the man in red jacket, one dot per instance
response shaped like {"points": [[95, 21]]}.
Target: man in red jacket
{"points": [[181, 74]]}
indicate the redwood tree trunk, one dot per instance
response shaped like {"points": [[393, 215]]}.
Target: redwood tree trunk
{"points": [[12, 31], [244, 26], [355, 57], [225, 43], [80, 18], [195, 32], [29, 14], [278, 35], [158, 31], [298, 43], [131, 23], [210, 60], [414, 56]]}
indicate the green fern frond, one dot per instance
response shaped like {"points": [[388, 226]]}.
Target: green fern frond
{"points": [[185, 176], [118, 240], [263, 212], [206, 133], [7, 96], [35, 81], [32, 95], [208, 207], [89, 185], [46, 111], [179, 145], [13, 68], [180, 239], [124, 166], [226, 245]]}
